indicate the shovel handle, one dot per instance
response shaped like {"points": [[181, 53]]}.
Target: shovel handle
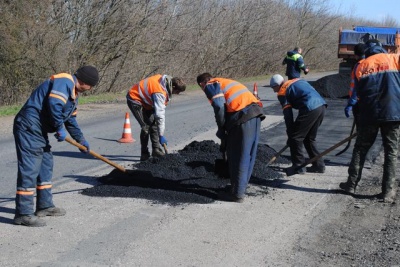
{"points": [[328, 150], [277, 155], [165, 148], [94, 154]]}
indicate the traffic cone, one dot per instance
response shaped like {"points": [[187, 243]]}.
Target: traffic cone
{"points": [[127, 133], [255, 91]]}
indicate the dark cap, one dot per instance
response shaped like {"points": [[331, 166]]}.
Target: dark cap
{"points": [[88, 75]]}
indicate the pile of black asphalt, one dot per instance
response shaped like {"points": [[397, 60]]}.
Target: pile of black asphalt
{"points": [[185, 177]]}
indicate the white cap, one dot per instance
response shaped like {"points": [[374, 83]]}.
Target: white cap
{"points": [[276, 80]]}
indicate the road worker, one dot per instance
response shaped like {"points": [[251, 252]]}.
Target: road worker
{"points": [[238, 114], [294, 63], [299, 94], [377, 83], [51, 108], [147, 101]]}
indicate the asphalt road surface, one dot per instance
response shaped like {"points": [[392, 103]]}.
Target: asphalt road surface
{"points": [[265, 230]]}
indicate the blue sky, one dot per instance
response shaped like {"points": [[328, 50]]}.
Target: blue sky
{"points": [[371, 9]]}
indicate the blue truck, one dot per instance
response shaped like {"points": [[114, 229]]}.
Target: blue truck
{"points": [[388, 37]]}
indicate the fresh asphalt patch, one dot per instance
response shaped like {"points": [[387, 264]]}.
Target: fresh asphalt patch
{"points": [[185, 177]]}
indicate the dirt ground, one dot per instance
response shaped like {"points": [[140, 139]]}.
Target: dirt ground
{"points": [[367, 232]]}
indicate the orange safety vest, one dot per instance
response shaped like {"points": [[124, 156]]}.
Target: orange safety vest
{"points": [[353, 76], [237, 96], [142, 91], [284, 87]]}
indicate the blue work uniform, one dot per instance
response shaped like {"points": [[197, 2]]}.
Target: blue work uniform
{"points": [[51, 106]]}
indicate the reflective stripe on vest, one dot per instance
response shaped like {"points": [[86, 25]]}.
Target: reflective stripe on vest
{"points": [[237, 96]]}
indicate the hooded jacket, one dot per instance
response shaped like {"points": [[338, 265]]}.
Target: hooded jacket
{"points": [[294, 64]]}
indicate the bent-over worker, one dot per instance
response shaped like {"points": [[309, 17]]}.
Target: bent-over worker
{"points": [[238, 114], [147, 101], [51, 107], [299, 94]]}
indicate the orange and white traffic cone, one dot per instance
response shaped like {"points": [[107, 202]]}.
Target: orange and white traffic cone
{"points": [[255, 91], [127, 133]]}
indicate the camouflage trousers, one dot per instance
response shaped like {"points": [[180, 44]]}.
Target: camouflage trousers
{"points": [[390, 132]]}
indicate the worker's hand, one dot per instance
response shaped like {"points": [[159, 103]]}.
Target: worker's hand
{"points": [[347, 110], [85, 144], [163, 140], [306, 71], [220, 133], [61, 134]]}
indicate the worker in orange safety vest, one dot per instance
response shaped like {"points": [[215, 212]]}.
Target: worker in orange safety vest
{"points": [[238, 115], [147, 101]]}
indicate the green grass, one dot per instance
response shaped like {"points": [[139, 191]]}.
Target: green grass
{"points": [[111, 97], [102, 98], [9, 110]]}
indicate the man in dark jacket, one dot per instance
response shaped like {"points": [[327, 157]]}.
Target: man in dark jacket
{"points": [[51, 108], [377, 83], [238, 114], [299, 94], [294, 63]]}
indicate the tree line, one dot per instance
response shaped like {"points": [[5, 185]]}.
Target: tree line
{"points": [[128, 40]]}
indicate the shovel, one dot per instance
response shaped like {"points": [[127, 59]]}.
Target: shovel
{"points": [[165, 148], [348, 144], [277, 155], [94, 154], [290, 172], [221, 167]]}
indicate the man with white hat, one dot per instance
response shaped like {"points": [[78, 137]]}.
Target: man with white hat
{"points": [[299, 94]]}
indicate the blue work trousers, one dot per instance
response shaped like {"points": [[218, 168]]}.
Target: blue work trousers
{"points": [[35, 166], [242, 144]]}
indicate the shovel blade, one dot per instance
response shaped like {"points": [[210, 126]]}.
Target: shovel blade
{"points": [[221, 168]]}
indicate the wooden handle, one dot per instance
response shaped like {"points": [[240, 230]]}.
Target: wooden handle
{"points": [[277, 155], [329, 150], [94, 154], [165, 148]]}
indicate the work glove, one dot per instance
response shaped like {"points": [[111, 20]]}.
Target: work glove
{"points": [[85, 144], [60, 135], [163, 140], [347, 110], [306, 71]]}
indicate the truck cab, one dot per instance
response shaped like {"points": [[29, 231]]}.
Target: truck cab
{"points": [[388, 37]]}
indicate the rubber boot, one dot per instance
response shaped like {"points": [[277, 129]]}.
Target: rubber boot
{"points": [[348, 187], [145, 154], [390, 196]]}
